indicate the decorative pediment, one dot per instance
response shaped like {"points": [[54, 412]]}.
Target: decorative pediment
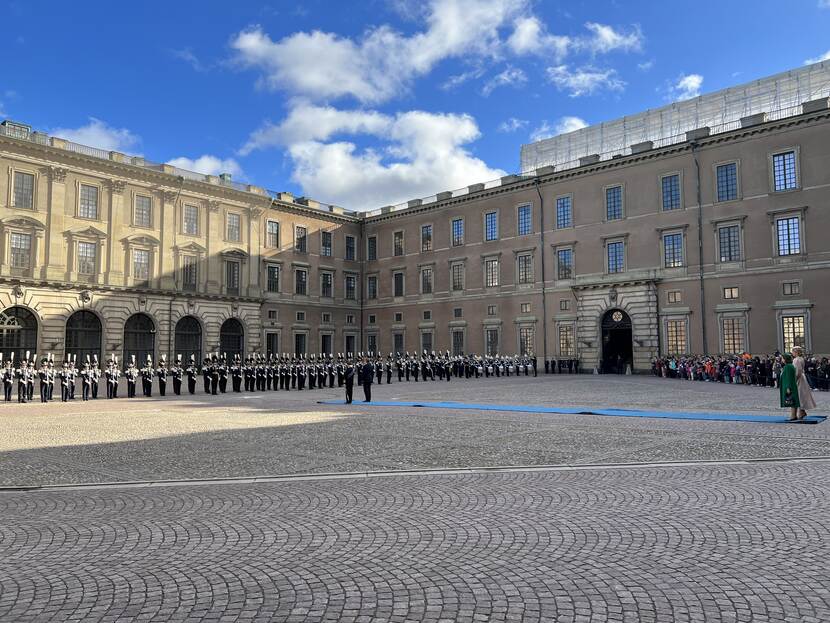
{"points": [[26, 222], [235, 254], [191, 247], [86, 232], [141, 240]]}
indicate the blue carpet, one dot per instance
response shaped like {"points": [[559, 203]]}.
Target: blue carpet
{"points": [[671, 415]]}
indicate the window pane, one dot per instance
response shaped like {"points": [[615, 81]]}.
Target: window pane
{"points": [[491, 339], [793, 330], [24, 190], [613, 203], [191, 220], [372, 249], [232, 277], [457, 342], [300, 282], [727, 179], [325, 244], [729, 242], [567, 346], [300, 240], [426, 341], [525, 225], [325, 285], [526, 341], [350, 248], [564, 263], [351, 287], [398, 291], [21, 250], [491, 229], [426, 238], [783, 171], [143, 209], [525, 269], [457, 277], [141, 264], [676, 337], [491, 273], [88, 206], [426, 281], [233, 227], [733, 335], [273, 234], [789, 241], [372, 288], [189, 272], [398, 243], [564, 213], [273, 281], [457, 232], [673, 250], [616, 257], [671, 192]]}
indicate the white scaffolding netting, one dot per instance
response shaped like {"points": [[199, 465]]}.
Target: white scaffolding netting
{"points": [[779, 96]]}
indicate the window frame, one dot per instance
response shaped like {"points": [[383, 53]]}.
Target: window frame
{"points": [[605, 190], [325, 251], [353, 248], [463, 266], [422, 272], [572, 251], [736, 290], [799, 220], [395, 243], [268, 267], [570, 198], [136, 197], [228, 215], [369, 294], [730, 316], [371, 257], [98, 209], [684, 322], [454, 242], [185, 206], [487, 282], [673, 232], [297, 239], [13, 171], [226, 282], [795, 150], [606, 244], [30, 261], [395, 284], [268, 242], [723, 225], [428, 243], [531, 277], [680, 197], [326, 275], [791, 282], [185, 260], [297, 271], [484, 223], [519, 208], [136, 280], [346, 294], [738, 181]]}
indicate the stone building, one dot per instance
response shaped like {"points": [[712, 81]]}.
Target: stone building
{"points": [[696, 238]]}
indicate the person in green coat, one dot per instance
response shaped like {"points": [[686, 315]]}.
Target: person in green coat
{"points": [[788, 388]]}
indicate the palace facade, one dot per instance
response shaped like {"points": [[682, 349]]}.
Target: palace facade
{"points": [[713, 241]]}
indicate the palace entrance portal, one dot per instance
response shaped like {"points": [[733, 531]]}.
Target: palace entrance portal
{"points": [[617, 349]]}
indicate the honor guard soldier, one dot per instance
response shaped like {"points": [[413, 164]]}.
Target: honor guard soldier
{"points": [[31, 373], [192, 371], [223, 373], [132, 376], [111, 377], [73, 375], [8, 379], [95, 375], [86, 381], [214, 374], [50, 376], [348, 377], [161, 374], [206, 374], [64, 376], [236, 374], [147, 378], [177, 373]]}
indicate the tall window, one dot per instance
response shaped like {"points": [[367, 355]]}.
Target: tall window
{"points": [[397, 340], [141, 264], [325, 244], [426, 238], [789, 240], [525, 269], [426, 281], [191, 220], [671, 192], [273, 278], [673, 250], [491, 226], [564, 212], [21, 250], [491, 273], [272, 234], [426, 341], [457, 342], [727, 181], [372, 287], [372, 248], [457, 277], [784, 172], [398, 284], [88, 205], [567, 344], [613, 203], [232, 277], [300, 239], [525, 226], [491, 342], [616, 256], [143, 211], [397, 243], [526, 341], [189, 275], [733, 335], [301, 281], [793, 332], [24, 190], [326, 285], [564, 264], [234, 233], [372, 343], [457, 232], [675, 337], [87, 255], [350, 248], [729, 243], [351, 287]]}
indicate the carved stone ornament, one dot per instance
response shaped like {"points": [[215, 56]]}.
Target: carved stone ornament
{"points": [[142, 301], [85, 296], [169, 196], [612, 295], [59, 174], [213, 206], [17, 292], [191, 304], [256, 212], [117, 186]]}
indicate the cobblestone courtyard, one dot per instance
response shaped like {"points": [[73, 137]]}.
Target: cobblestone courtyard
{"points": [[582, 540]]}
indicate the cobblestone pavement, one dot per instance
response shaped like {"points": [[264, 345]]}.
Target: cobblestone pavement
{"points": [[673, 543], [288, 433]]}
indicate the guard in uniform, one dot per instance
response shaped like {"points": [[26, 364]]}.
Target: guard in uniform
{"points": [[94, 377], [132, 375], [191, 375], [147, 378], [8, 379], [176, 372], [206, 374], [161, 373], [223, 374], [64, 377], [348, 377], [111, 376], [86, 381]]}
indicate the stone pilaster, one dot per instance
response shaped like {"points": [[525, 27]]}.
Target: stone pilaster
{"points": [[113, 263], [56, 265], [167, 220]]}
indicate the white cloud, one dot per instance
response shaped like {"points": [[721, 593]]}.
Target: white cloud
{"points": [[530, 36], [99, 134], [512, 76], [562, 126], [458, 79], [685, 87], [824, 4], [823, 57], [645, 66], [584, 80], [512, 124], [605, 39], [187, 55], [208, 165]]}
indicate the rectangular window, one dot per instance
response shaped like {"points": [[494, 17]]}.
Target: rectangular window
{"points": [[141, 264], [426, 238], [457, 343], [675, 337], [564, 264], [397, 243], [791, 288], [325, 244], [613, 203], [191, 220], [525, 269], [326, 340], [457, 312], [143, 216], [671, 191], [326, 317], [457, 232], [24, 190], [733, 335], [232, 277], [398, 284], [301, 281], [674, 297], [564, 305], [299, 344], [21, 250], [189, 272], [491, 226], [491, 310], [491, 342], [729, 243], [372, 343], [272, 314], [426, 341], [234, 232], [350, 342], [426, 281], [564, 212], [616, 256], [673, 250], [87, 255], [350, 248], [372, 248], [567, 344], [272, 235], [427, 315], [727, 181], [730, 293], [525, 225], [398, 316], [88, 205], [457, 277], [300, 239], [372, 318], [789, 240], [783, 171], [326, 287], [491, 273], [397, 340], [793, 332], [350, 319], [525, 308], [273, 278], [526, 341], [351, 288], [372, 287], [300, 316]]}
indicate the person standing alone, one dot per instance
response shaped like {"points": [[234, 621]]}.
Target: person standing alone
{"points": [[367, 376]]}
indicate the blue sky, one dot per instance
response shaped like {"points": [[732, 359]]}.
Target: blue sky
{"points": [[364, 104]]}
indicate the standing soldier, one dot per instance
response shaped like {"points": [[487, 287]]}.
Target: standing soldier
{"points": [[161, 373], [64, 377], [191, 375], [73, 374], [177, 373], [214, 374], [206, 374], [31, 373], [348, 377], [86, 381], [96, 374], [8, 379], [131, 373], [111, 377], [50, 376], [223, 373], [147, 377], [236, 375]]}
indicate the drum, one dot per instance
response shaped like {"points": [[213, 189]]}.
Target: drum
{"points": [[511, 369], [490, 369]]}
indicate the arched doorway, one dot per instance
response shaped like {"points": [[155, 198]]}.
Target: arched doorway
{"points": [[139, 338], [617, 349], [231, 338], [188, 339], [18, 332], [83, 336]]}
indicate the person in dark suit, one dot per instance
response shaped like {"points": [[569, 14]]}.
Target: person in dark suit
{"points": [[348, 378], [366, 377]]}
